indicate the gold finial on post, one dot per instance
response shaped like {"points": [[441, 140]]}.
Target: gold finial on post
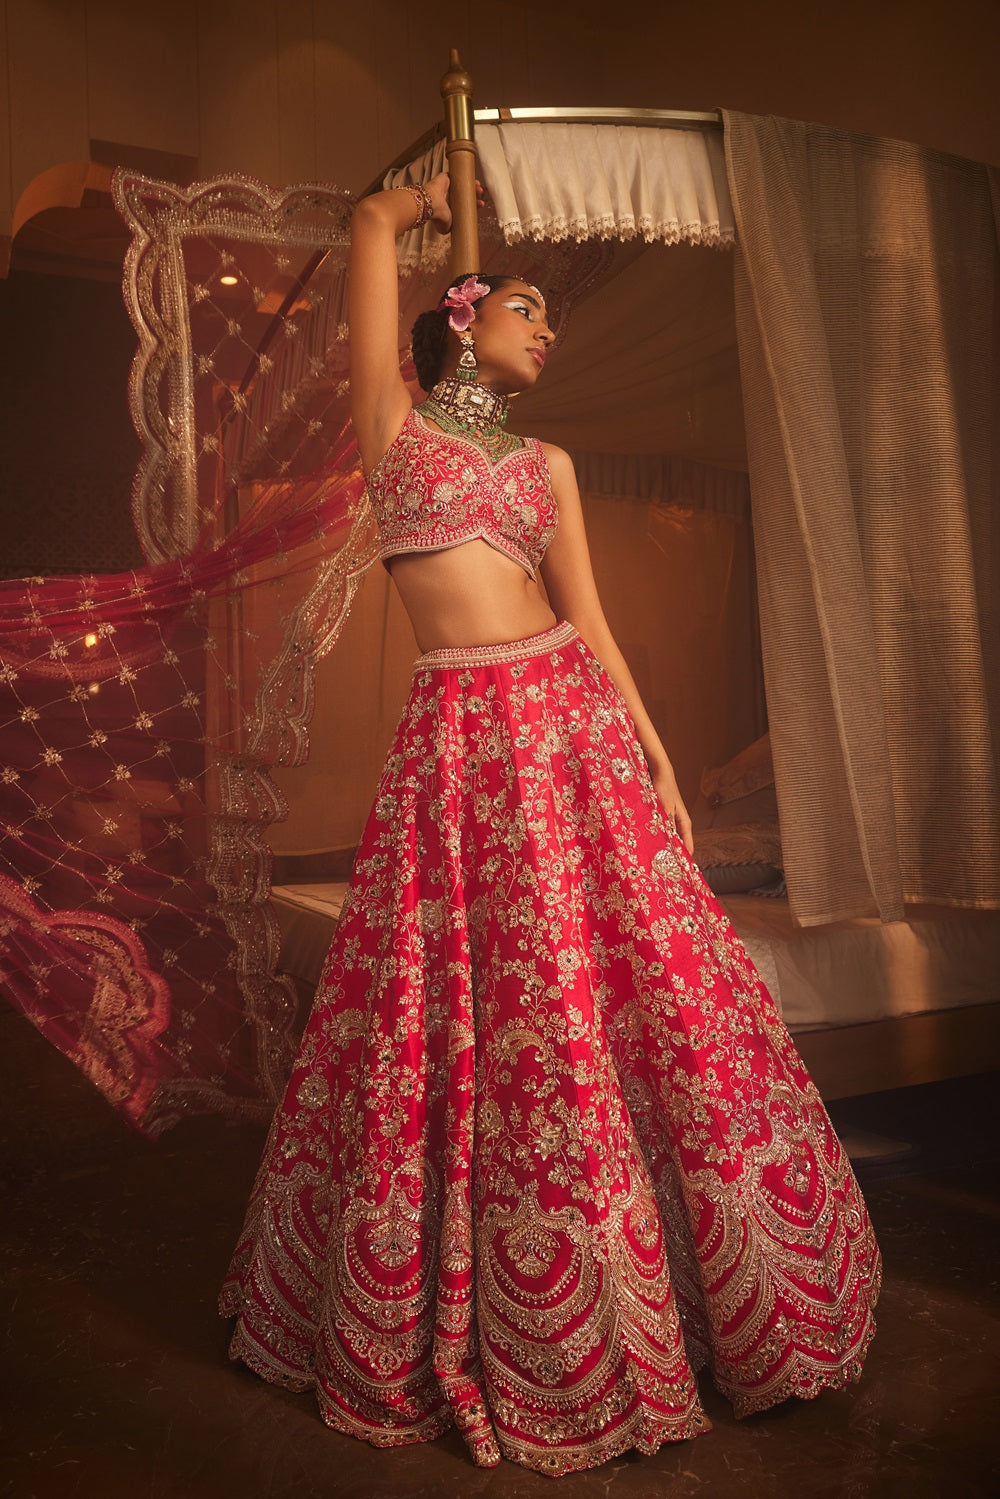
{"points": [[456, 91]]}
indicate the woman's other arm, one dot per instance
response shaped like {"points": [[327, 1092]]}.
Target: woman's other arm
{"points": [[569, 583]]}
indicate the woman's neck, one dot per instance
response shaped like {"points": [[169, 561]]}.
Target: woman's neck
{"points": [[468, 405]]}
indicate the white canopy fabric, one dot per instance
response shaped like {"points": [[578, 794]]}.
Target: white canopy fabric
{"points": [[556, 182]]}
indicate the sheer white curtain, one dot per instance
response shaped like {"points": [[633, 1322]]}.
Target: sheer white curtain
{"points": [[867, 314]]}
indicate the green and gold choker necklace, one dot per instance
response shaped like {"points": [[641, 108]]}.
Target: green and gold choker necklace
{"points": [[464, 408]]}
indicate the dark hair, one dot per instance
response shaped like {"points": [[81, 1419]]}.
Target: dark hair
{"points": [[430, 332]]}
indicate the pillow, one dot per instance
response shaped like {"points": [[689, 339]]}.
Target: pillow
{"points": [[744, 879], [742, 791], [737, 859]]}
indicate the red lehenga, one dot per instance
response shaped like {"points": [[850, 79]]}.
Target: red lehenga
{"points": [[548, 1148]]}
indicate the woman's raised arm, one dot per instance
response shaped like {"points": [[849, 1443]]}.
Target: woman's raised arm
{"points": [[379, 398]]}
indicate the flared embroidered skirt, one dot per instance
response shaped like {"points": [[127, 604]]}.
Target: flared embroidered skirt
{"points": [[548, 1148]]}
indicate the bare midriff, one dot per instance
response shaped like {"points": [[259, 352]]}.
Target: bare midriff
{"points": [[468, 595]]}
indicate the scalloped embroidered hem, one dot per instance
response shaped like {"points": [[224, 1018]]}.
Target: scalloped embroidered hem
{"points": [[647, 1432], [806, 1379]]}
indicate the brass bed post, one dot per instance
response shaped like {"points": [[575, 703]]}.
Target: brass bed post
{"points": [[456, 91]]}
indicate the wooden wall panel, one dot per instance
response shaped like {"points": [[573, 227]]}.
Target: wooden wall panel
{"points": [[432, 34], [6, 193], [569, 63], [142, 75], [69, 449], [47, 48], [296, 92], [394, 124], [501, 39], [334, 89], [238, 88], [920, 72], [347, 144]]}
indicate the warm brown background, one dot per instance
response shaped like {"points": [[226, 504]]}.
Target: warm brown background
{"points": [[294, 89]]}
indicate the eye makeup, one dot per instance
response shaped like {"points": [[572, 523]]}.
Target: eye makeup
{"points": [[520, 302]]}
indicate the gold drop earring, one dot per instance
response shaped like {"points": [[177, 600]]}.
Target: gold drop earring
{"points": [[468, 369]]}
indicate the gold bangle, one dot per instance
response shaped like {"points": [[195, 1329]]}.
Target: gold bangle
{"points": [[422, 199]]}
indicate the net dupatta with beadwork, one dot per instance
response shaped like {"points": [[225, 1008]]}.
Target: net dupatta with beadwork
{"points": [[143, 712]]}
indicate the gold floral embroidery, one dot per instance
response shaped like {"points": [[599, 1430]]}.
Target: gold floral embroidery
{"points": [[569, 1154], [435, 489]]}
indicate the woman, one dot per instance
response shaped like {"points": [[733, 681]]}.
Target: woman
{"points": [[547, 1149]]}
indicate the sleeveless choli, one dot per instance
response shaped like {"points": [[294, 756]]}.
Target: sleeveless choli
{"points": [[432, 490], [547, 1149]]}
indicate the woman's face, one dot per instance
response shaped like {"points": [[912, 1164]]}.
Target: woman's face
{"points": [[512, 337]]}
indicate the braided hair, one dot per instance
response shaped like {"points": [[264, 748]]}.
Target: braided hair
{"points": [[429, 338]]}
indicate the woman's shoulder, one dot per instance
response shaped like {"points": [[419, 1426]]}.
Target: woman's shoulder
{"points": [[559, 462]]}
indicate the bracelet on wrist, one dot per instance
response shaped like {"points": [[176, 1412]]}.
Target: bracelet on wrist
{"points": [[422, 200]]}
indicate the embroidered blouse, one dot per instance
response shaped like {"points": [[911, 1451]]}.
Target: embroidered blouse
{"points": [[432, 490]]}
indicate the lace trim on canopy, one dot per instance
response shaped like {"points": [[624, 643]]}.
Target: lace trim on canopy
{"points": [[576, 181]]}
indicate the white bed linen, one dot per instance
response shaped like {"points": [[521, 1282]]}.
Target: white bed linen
{"points": [[850, 972]]}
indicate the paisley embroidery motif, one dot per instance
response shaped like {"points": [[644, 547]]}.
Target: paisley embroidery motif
{"points": [[548, 1148]]}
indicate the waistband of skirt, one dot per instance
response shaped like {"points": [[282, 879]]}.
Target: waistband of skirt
{"points": [[456, 657]]}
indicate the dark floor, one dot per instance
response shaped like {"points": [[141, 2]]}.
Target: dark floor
{"points": [[118, 1386]]}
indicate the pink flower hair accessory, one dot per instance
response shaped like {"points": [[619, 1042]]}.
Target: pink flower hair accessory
{"points": [[460, 299]]}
